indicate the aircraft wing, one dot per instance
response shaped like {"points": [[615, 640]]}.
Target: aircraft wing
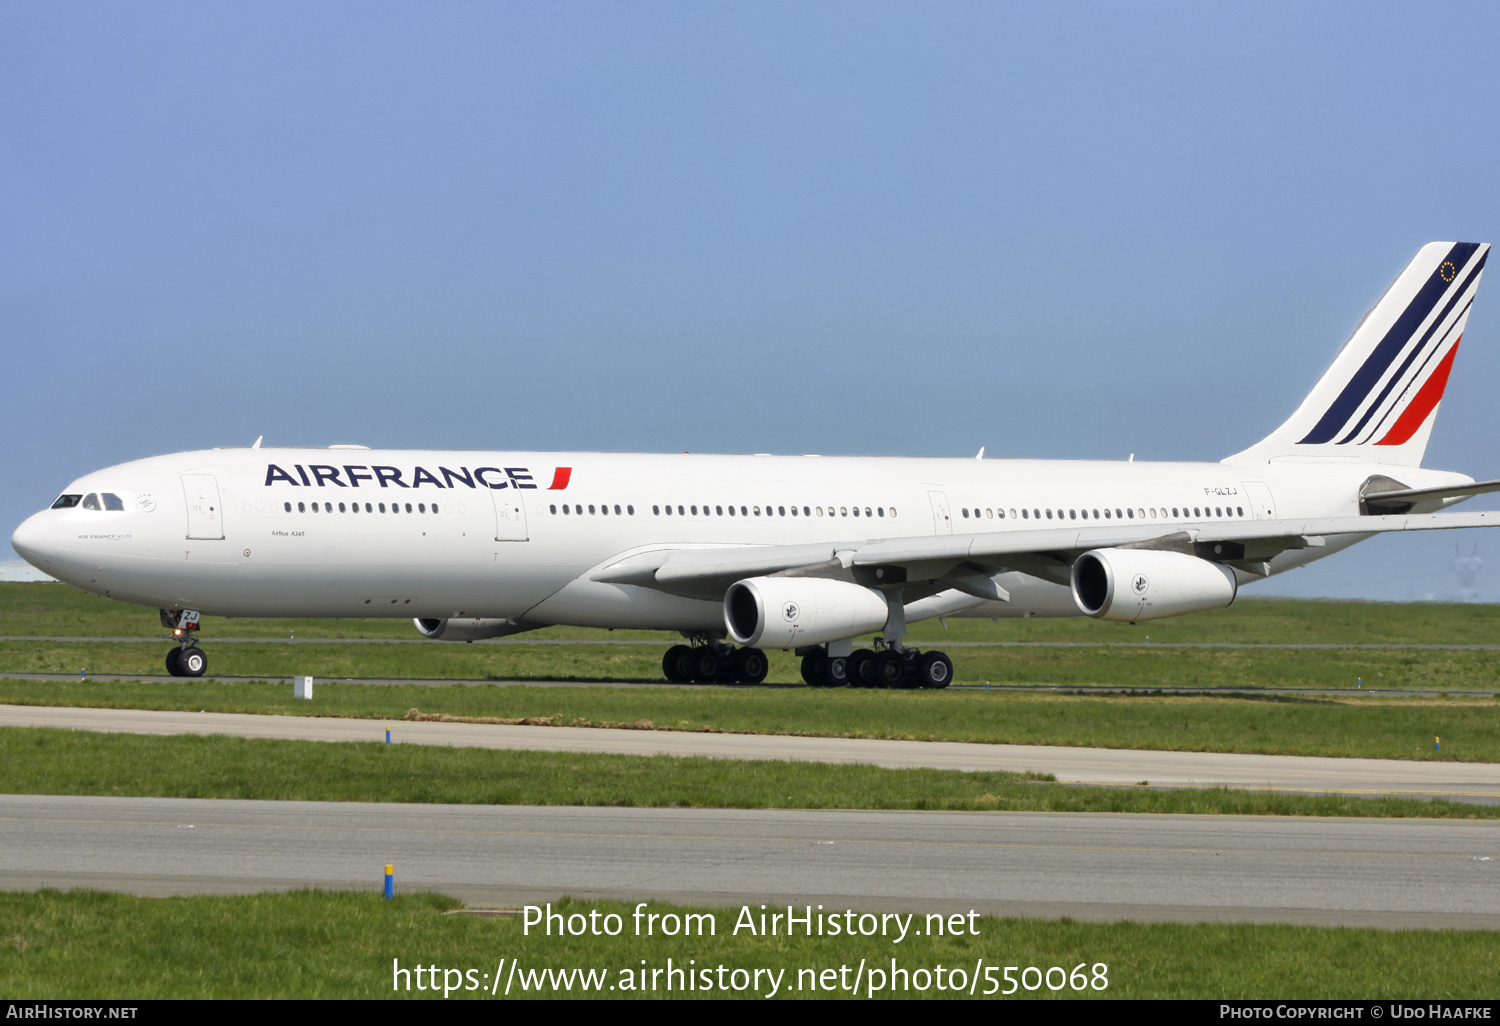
{"points": [[930, 564]]}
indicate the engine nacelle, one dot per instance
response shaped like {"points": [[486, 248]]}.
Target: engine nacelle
{"points": [[468, 628], [789, 612], [1142, 584]]}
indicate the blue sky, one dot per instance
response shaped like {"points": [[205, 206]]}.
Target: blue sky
{"points": [[1054, 230]]}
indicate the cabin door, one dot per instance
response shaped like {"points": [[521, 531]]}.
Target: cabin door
{"points": [[510, 515], [942, 516]]}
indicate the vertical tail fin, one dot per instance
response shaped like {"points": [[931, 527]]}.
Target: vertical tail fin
{"points": [[1379, 400]]}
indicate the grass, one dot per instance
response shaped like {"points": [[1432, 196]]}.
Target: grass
{"points": [[310, 944], [1364, 726], [46, 761], [55, 610], [1415, 669]]}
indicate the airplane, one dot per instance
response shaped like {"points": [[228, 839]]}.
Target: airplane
{"points": [[741, 554]]}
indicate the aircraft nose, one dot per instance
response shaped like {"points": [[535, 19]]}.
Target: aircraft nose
{"points": [[32, 540]]}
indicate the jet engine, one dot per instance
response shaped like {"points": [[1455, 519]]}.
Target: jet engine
{"points": [[789, 612], [466, 628], [1142, 584]]}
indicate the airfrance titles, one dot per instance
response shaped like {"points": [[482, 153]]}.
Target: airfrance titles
{"points": [[322, 475]]}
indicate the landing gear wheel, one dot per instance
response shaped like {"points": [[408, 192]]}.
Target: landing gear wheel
{"points": [[672, 664], [705, 664], [935, 670], [810, 670], [173, 666], [860, 665], [751, 666], [834, 670], [191, 662], [888, 671]]}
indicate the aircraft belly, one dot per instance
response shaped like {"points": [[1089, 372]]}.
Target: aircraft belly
{"points": [[228, 579], [585, 603], [1029, 597]]}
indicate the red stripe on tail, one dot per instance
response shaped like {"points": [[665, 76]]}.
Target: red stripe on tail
{"points": [[1431, 393]]}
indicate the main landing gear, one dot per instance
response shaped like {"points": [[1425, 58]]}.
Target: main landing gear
{"points": [[187, 659], [887, 667], [714, 662]]}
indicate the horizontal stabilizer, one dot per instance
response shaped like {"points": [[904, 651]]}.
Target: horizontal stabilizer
{"points": [[1381, 502]]}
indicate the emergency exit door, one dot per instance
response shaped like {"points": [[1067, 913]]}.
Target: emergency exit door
{"points": [[205, 514]]}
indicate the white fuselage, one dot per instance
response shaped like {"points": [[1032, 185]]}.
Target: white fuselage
{"points": [[406, 533]]}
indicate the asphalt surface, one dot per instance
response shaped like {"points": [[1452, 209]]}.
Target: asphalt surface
{"points": [[1383, 873], [1459, 781]]}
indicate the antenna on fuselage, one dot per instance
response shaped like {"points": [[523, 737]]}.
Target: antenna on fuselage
{"points": [[258, 439], [980, 454]]}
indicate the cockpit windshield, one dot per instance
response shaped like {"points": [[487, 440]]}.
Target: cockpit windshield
{"points": [[93, 500]]}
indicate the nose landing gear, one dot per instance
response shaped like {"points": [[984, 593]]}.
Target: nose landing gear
{"points": [[187, 659]]}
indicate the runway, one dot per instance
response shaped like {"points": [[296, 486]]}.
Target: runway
{"points": [[1384, 873], [659, 643], [1066, 689], [1460, 781]]}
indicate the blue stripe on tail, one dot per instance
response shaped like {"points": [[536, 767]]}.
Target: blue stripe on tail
{"points": [[1437, 322], [1389, 348]]}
